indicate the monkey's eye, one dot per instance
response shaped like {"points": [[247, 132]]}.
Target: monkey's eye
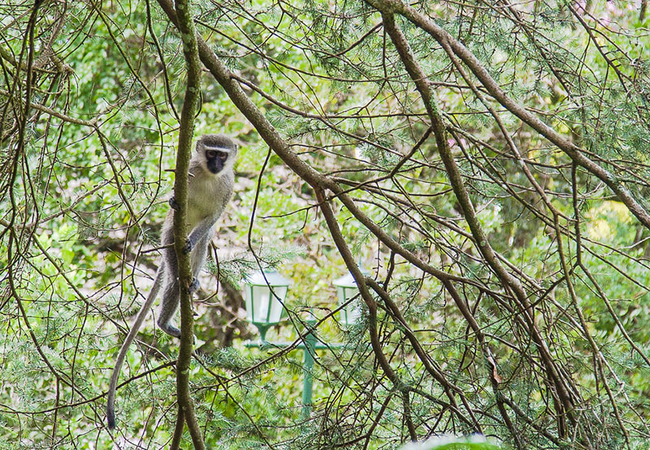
{"points": [[223, 156], [211, 154]]}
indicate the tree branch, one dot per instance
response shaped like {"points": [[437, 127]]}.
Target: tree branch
{"points": [[439, 129], [185, 27], [446, 40]]}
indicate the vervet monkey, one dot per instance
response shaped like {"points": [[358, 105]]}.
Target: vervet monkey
{"points": [[209, 189]]}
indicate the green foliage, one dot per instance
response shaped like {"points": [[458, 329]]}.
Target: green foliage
{"points": [[449, 443], [240, 265], [86, 170]]}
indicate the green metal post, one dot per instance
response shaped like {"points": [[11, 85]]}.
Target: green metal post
{"points": [[262, 328], [307, 366]]}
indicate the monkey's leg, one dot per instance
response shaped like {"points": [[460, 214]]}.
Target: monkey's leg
{"points": [[197, 260], [195, 285], [168, 307]]}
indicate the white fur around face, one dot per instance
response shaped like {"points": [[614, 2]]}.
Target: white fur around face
{"points": [[215, 142], [205, 187]]}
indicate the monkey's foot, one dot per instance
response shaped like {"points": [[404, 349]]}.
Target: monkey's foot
{"points": [[173, 204], [187, 247], [194, 286], [170, 330]]}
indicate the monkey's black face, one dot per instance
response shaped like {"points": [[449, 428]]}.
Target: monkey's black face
{"points": [[216, 159]]}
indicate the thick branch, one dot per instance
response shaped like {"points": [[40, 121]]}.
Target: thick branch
{"points": [[352, 266], [185, 26], [419, 78], [228, 81], [473, 63]]}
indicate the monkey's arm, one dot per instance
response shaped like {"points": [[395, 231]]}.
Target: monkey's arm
{"points": [[200, 231]]}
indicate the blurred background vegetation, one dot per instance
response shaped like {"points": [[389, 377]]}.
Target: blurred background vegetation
{"points": [[90, 95]]}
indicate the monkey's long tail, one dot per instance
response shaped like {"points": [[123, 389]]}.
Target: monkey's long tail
{"points": [[110, 406]]}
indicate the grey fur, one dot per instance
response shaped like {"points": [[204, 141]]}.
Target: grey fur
{"points": [[208, 195]]}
